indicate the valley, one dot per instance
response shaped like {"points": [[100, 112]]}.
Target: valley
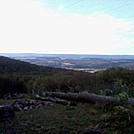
{"points": [[87, 63]]}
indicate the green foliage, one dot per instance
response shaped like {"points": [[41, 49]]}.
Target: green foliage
{"points": [[107, 92], [121, 120], [123, 98], [32, 77], [120, 87], [121, 91]]}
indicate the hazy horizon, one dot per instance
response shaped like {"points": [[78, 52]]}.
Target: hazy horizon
{"points": [[67, 27], [38, 53]]}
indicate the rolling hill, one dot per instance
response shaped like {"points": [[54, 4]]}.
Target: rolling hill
{"points": [[8, 65], [77, 62]]}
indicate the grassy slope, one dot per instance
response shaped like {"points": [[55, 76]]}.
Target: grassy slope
{"points": [[54, 119], [60, 119]]}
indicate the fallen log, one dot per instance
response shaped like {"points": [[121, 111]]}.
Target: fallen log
{"points": [[45, 99], [88, 97], [58, 101]]}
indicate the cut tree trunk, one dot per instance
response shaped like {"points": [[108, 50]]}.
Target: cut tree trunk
{"points": [[55, 100], [88, 97]]}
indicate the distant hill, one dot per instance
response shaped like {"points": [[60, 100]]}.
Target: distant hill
{"points": [[8, 65], [88, 63]]}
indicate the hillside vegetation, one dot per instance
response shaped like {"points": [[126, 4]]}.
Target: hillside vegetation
{"points": [[47, 116], [18, 76], [8, 65]]}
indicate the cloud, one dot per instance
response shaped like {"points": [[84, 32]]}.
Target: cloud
{"points": [[61, 8], [28, 26]]}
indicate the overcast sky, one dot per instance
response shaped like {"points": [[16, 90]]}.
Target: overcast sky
{"points": [[67, 26]]}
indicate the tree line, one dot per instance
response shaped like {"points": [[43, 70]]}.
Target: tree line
{"points": [[70, 81]]}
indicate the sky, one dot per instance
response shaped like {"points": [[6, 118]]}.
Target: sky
{"points": [[67, 26]]}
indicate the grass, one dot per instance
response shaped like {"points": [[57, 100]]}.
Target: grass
{"points": [[53, 119], [57, 119]]}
